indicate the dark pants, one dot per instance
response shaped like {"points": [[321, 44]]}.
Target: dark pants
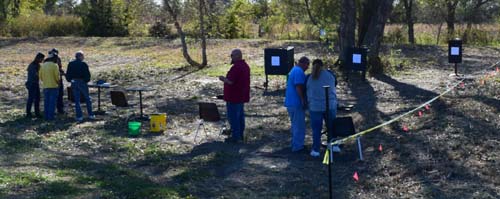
{"points": [[33, 98], [60, 102], [236, 116]]}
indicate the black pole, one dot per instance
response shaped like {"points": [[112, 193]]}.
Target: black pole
{"points": [[98, 98], [327, 118], [456, 72]]}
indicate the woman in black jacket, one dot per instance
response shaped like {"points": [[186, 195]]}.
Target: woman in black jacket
{"points": [[33, 86]]}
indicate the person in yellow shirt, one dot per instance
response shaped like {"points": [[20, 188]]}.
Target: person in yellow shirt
{"points": [[49, 75]]}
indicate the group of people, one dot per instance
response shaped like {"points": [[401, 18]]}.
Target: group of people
{"points": [[303, 92], [307, 92], [49, 72]]}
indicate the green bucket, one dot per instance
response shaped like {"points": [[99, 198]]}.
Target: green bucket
{"points": [[134, 128]]}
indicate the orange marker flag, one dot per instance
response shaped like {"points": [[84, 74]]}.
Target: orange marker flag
{"points": [[380, 147], [462, 85], [405, 128], [482, 82], [420, 113], [355, 176], [498, 70], [427, 107]]}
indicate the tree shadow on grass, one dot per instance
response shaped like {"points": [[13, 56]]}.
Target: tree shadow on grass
{"points": [[418, 144]]}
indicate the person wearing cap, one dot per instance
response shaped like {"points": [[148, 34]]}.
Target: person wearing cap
{"points": [[79, 75], [295, 102], [50, 77], [33, 86], [236, 93], [60, 102]]}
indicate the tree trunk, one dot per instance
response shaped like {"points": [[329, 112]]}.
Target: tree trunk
{"points": [[451, 6], [408, 4], [182, 36], [203, 35], [367, 14], [347, 29], [439, 33], [375, 33], [311, 17], [471, 18], [4, 4]]}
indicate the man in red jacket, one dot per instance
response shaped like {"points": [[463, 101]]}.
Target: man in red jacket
{"points": [[236, 93]]}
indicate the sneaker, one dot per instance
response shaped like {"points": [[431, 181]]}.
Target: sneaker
{"points": [[80, 119], [336, 149], [314, 153], [92, 117]]}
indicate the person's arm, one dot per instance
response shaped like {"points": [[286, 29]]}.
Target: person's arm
{"points": [[57, 75], [40, 74], [31, 72], [225, 80], [87, 72], [59, 64], [300, 91], [299, 81], [69, 74], [230, 77]]}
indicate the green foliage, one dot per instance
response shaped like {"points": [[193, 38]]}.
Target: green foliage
{"points": [[396, 36], [236, 19], [104, 18], [159, 29], [43, 25], [481, 36]]}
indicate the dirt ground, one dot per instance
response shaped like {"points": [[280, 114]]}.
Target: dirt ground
{"points": [[451, 151]]}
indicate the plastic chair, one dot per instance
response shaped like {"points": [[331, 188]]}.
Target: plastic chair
{"points": [[119, 99], [209, 113]]}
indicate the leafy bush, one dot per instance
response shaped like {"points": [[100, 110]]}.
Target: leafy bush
{"points": [[396, 36], [43, 25], [159, 29]]}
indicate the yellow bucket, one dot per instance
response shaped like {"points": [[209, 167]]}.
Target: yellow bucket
{"points": [[158, 122]]}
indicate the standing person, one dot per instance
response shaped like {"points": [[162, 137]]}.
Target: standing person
{"points": [[317, 101], [236, 93], [79, 75], [33, 86], [50, 77], [295, 103], [60, 102]]}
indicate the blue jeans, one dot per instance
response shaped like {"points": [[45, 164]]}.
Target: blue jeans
{"points": [[298, 128], [236, 117], [317, 118], [49, 102], [79, 87], [33, 98]]}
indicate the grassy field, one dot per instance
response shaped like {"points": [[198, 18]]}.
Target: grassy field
{"points": [[450, 152]]}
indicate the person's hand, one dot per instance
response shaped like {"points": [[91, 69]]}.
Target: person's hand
{"points": [[222, 78]]}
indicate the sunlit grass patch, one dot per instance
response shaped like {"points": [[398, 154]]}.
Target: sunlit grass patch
{"points": [[21, 179]]}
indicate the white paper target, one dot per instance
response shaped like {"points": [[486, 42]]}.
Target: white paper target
{"points": [[275, 61], [356, 58]]}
